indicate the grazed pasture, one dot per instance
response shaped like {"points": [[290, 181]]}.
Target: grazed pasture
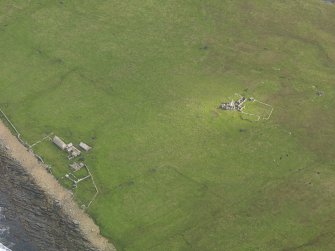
{"points": [[140, 81]]}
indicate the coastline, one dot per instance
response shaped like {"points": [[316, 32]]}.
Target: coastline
{"points": [[48, 184]]}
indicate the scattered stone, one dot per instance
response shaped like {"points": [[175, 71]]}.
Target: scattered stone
{"points": [[320, 93], [233, 105]]}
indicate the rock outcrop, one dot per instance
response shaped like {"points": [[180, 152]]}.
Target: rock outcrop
{"points": [[39, 220]]}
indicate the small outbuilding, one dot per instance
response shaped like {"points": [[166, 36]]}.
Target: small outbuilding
{"points": [[85, 146], [77, 166], [73, 151], [60, 143]]}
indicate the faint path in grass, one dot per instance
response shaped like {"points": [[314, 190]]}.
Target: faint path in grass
{"points": [[313, 243]]}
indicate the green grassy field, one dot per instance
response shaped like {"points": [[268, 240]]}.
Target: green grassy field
{"points": [[140, 81]]}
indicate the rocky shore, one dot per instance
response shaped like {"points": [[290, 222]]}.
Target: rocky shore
{"points": [[37, 221], [46, 211]]}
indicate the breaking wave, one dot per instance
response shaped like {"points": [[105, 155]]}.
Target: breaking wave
{"points": [[3, 248], [3, 230]]}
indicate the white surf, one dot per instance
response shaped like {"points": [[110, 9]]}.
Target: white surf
{"points": [[2, 231], [4, 248]]}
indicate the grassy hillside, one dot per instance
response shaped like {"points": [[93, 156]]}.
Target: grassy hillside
{"points": [[140, 81]]}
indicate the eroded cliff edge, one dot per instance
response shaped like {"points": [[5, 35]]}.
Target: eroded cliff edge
{"points": [[39, 219]]}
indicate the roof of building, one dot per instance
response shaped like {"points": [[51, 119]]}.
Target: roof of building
{"points": [[60, 143], [85, 146]]}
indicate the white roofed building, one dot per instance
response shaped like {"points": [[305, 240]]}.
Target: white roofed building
{"points": [[60, 143], [85, 146]]}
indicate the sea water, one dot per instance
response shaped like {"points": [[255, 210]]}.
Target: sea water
{"points": [[4, 230], [12, 237], [29, 220]]}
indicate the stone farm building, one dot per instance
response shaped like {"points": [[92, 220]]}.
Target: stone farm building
{"points": [[60, 143], [85, 146]]}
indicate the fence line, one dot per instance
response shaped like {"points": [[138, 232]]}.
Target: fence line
{"points": [[95, 186], [270, 113], [40, 141], [39, 158], [18, 135]]}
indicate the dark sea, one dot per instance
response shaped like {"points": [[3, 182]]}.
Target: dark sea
{"points": [[29, 219], [4, 231], [12, 236]]}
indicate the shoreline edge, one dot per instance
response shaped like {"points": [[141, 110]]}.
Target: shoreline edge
{"points": [[53, 189]]}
